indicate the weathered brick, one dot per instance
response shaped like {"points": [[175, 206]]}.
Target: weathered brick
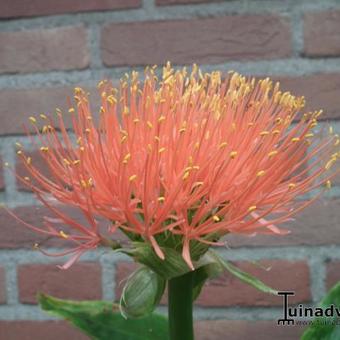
{"points": [[80, 282], [3, 298], [211, 40], [332, 273], [227, 290], [320, 90], [245, 330], [14, 235], [17, 105], [322, 34], [61, 48], [39, 330], [15, 8], [183, 2], [316, 225]]}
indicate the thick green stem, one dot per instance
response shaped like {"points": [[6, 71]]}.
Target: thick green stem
{"points": [[180, 307]]}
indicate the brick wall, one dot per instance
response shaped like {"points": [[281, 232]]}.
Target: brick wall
{"points": [[49, 47]]}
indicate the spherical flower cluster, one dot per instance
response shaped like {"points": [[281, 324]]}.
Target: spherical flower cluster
{"points": [[191, 155]]}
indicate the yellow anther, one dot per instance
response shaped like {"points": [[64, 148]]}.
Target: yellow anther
{"points": [[149, 124], [161, 118], [19, 152], [66, 161], [328, 184], [182, 129], [87, 130], [331, 131], [42, 116], [32, 119], [157, 138], [161, 199], [132, 178], [291, 185], [44, 148], [19, 145], [63, 235], [90, 182], [35, 246], [127, 158], [123, 139], [197, 144], [197, 184], [272, 153], [82, 149], [216, 218], [6, 164], [330, 163], [251, 124], [337, 142], [28, 160], [276, 132], [278, 120], [111, 99], [76, 162], [83, 183], [78, 90], [223, 145], [136, 120], [196, 167], [309, 135], [186, 175], [161, 150], [233, 154], [295, 139], [252, 208], [27, 179], [264, 133], [260, 173]]}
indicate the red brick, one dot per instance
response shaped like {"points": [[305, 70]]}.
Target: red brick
{"points": [[61, 48], [316, 225], [320, 90], [39, 330], [245, 330], [3, 298], [2, 180], [15, 8], [17, 105], [322, 34], [183, 2], [332, 273], [80, 282], [212, 40], [227, 290], [14, 235]]}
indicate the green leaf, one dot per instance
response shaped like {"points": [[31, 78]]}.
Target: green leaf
{"points": [[102, 320], [142, 292], [325, 328], [243, 276]]}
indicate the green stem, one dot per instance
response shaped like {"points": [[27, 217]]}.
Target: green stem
{"points": [[180, 307]]}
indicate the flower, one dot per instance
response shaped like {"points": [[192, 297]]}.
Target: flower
{"points": [[192, 156]]}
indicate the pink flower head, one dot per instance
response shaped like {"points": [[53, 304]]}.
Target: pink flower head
{"points": [[190, 155]]}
